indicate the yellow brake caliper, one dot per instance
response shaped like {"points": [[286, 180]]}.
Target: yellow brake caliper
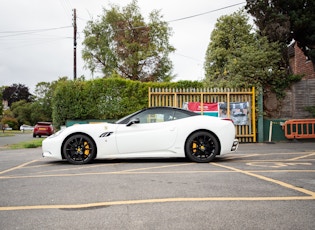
{"points": [[87, 148], [194, 147]]}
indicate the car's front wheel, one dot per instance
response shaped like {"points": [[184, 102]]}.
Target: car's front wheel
{"points": [[202, 147], [79, 149]]}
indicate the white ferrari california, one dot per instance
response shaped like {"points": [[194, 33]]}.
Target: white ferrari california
{"points": [[153, 132]]}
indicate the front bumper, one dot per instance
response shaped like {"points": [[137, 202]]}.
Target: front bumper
{"points": [[51, 147]]}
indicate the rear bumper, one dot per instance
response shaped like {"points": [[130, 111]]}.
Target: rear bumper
{"points": [[235, 145], [44, 133]]}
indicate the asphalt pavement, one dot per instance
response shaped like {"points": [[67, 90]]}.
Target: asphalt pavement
{"points": [[17, 138], [262, 186]]}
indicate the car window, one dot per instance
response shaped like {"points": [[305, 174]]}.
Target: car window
{"points": [[155, 115], [183, 114], [162, 115], [159, 114]]}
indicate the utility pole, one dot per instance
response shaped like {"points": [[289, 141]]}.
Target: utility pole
{"points": [[74, 44]]}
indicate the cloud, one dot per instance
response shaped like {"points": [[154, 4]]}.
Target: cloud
{"points": [[38, 56]]}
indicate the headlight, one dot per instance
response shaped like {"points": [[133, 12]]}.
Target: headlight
{"points": [[56, 134]]}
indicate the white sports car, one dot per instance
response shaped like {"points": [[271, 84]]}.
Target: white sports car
{"points": [[153, 132]]}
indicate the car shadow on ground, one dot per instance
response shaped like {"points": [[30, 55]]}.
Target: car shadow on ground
{"points": [[141, 161]]}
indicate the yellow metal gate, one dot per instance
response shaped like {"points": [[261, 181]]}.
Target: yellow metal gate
{"points": [[230, 98]]}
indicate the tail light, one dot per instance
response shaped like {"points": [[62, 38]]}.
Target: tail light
{"points": [[228, 119]]}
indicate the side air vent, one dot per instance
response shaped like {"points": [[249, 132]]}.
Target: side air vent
{"points": [[106, 134]]}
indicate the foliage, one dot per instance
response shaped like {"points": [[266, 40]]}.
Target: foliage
{"points": [[104, 99], [35, 143], [121, 42], [10, 121], [22, 112], [311, 110], [43, 105], [236, 57], [284, 20], [16, 92], [1, 99]]}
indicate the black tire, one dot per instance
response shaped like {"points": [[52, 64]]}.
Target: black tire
{"points": [[202, 147], [79, 149]]}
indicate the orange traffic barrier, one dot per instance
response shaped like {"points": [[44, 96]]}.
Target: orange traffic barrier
{"points": [[299, 128]]}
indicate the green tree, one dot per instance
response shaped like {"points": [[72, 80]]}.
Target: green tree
{"points": [[1, 99], [9, 119], [237, 57], [284, 20], [42, 107], [22, 112], [16, 92], [121, 42]]}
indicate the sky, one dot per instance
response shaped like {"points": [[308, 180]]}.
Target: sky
{"points": [[36, 36]]}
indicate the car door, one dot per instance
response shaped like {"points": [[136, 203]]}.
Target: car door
{"points": [[154, 133]]}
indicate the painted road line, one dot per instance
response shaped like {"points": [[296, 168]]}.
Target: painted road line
{"points": [[18, 167], [301, 157], [270, 164], [114, 173], [122, 172], [163, 200], [283, 184]]}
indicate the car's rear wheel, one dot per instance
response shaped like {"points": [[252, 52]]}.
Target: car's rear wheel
{"points": [[79, 149], [202, 147]]}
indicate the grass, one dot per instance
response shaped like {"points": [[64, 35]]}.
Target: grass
{"points": [[35, 143], [10, 133], [28, 144]]}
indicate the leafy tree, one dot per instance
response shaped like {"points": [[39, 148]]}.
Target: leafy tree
{"points": [[16, 92], [9, 119], [237, 57], [121, 42], [1, 99], [43, 104], [22, 112], [42, 108], [284, 20]]}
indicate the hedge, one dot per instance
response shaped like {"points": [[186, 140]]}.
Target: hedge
{"points": [[104, 98]]}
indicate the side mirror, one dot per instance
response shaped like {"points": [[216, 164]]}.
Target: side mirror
{"points": [[133, 121]]}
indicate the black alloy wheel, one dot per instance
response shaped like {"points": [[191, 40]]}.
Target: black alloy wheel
{"points": [[79, 149], [201, 147]]}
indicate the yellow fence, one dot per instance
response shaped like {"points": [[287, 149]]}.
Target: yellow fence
{"points": [[178, 97]]}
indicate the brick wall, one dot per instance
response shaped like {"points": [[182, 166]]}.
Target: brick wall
{"points": [[300, 64], [302, 93]]}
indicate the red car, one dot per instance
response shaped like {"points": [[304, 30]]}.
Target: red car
{"points": [[43, 129]]}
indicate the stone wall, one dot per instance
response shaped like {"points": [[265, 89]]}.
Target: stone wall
{"points": [[301, 95]]}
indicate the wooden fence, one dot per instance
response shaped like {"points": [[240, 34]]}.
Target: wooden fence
{"points": [[245, 132]]}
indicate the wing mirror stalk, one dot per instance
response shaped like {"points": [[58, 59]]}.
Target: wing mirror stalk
{"points": [[133, 121]]}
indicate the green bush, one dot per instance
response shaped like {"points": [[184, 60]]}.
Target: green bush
{"points": [[311, 110], [109, 98], [11, 122]]}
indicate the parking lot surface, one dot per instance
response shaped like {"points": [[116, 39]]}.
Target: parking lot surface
{"points": [[262, 186]]}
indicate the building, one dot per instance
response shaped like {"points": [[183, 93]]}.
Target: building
{"points": [[302, 93]]}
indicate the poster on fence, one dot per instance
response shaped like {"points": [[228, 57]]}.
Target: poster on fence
{"points": [[209, 109], [239, 112]]}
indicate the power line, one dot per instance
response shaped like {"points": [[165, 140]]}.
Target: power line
{"points": [[23, 32], [66, 5], [208, 12]]}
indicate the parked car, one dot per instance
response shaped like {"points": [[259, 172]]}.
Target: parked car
{"points": [[152, 132], [43, 129], [26, 127]]}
